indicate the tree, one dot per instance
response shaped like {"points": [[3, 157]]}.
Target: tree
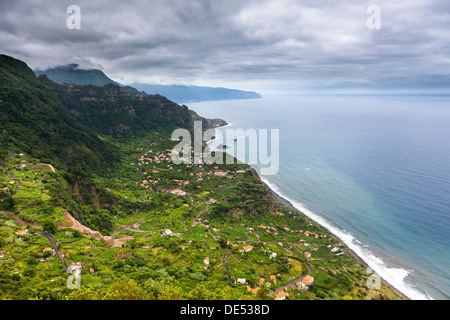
{"points": [[76, 233], [154, 288], [32, 261], [29, 272], [197, 276], [7, 204], [263, 293], [46, 209], [50, 227], [82, 294], [125, 289], [47, 254], [200, 292], [225, 293], [171, 292], [223, 242]]}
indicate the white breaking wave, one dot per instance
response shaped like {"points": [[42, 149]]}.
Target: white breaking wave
{"points": [[227, 125], [393, 276], [211, 143]]}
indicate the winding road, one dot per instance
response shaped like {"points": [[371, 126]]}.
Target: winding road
{"points": [[128, 226], [198, 216], [226, 267], [299, 278], [55, 247]]}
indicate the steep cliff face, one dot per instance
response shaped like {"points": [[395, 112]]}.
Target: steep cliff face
{"points": [[208, 123], [111, 109], [34, 121]]}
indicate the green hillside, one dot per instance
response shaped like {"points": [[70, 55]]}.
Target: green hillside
{"points": [[111, 109], [33, 120]]}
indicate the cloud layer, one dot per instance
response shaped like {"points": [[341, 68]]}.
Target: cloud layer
{"points": [[257, 45]]}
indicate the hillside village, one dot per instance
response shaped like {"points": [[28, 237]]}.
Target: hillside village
{"points": [[214, 225]]}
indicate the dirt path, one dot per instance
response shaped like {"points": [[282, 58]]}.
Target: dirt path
{"points": [[49, 165]]}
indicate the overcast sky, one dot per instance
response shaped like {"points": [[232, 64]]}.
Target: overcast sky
{"points": [[258, 45]]}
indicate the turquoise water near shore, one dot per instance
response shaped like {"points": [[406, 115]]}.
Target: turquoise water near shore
{"points": [[374, 170]]}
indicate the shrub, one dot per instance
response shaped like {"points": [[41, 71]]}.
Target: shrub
{"points": [[29, 272], [197, 276]]}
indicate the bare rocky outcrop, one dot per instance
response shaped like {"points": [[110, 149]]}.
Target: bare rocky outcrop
{"points": [[97, 235]]}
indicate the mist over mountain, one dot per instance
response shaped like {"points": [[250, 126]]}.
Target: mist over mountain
{"points": [[61, 123], [73, 73]]}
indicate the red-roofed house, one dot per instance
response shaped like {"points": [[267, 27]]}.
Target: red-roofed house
{"points": [[22, 232], [48, 250], [178, 192], [308, 280], [281, 295]]}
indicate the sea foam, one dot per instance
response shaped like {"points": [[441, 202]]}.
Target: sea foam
{"points": [[395, 276]]}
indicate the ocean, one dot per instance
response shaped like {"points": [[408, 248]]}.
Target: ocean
{"points": [[374, 170]]}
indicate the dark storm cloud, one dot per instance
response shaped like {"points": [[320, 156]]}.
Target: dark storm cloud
{"points": [[247, 44]]}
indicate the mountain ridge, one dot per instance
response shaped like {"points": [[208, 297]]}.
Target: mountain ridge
{"points": [[111, 109], [72, 73], [184, 94]]}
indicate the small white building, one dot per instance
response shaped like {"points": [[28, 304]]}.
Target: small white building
{"points": [[281, 295], [22, 232], [178, 192], [301, 286], [308, 280], [167, 232], [74, 266]]}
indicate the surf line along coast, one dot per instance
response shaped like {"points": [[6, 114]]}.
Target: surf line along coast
{"points": [[228, 309]]}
